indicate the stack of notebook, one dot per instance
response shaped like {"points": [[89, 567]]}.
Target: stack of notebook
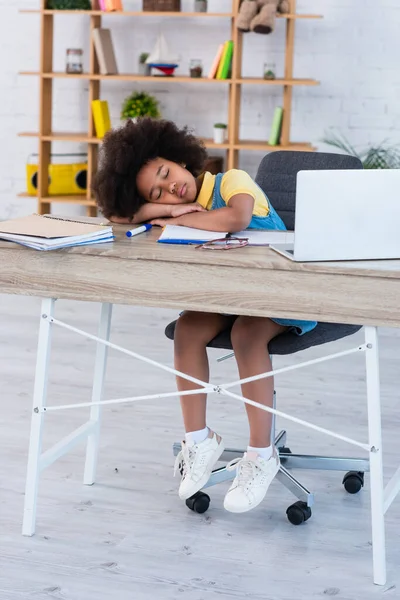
{"points": [[45, 232]]}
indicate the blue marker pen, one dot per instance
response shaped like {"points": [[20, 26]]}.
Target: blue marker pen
{"points": [[138, 230]]}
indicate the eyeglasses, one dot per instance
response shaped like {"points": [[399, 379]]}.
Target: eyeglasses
{"points": [[228, 243]]}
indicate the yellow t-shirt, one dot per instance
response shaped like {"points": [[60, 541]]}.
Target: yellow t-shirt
{"points": [[233, 182]]}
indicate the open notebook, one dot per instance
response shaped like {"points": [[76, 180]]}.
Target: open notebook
{"points": [[176, 234], [45, 232]]}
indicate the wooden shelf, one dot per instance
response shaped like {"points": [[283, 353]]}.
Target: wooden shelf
{"points": [[141, 13], [93, 80], [264, 146], [297, 16], [259, 81], [65, 136], [74, 199], [176, 79], [129, 13], [60, 136]]}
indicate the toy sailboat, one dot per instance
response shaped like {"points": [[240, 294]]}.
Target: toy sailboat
{"points": [[161, 58]]}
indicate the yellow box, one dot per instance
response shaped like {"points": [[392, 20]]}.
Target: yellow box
{"points": [[64, 179], [101, 117]]}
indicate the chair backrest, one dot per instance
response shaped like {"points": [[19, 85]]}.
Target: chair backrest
{"points": [[277, 173]]}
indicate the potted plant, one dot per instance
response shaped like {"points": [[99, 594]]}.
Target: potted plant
{"points": [[68, 4], [143, 68], [373, 157], [219, 133], [140, 104]]}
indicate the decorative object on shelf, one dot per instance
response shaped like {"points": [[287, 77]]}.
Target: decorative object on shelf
{"points": [[74, 63], [64, 179], [196, 68], [200, 6], [225, 64], [269, 71], [101, 117], [160, 60], [219, 133], [112, 5], [373, 157], [162, 5], [140, 104], [68, 5], [105, 51], [259, 15], [276, 127], [143, 68]]}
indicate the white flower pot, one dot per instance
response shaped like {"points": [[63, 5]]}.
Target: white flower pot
{"points": [[219, 135]]}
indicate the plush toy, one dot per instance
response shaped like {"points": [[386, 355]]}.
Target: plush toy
{"points": [[259, 15]]}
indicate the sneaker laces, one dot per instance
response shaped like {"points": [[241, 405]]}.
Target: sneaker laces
{"points": [[246, 470], [184, 460]]}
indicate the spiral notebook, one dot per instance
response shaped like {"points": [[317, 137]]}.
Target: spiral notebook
{"points": [[47, 232]]}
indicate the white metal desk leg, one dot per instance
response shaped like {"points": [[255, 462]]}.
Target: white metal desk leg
{"points": [[376, 460], [92, 449], [39, 400]]}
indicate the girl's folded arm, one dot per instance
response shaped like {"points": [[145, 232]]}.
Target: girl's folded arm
{"points": [[234, 217]]}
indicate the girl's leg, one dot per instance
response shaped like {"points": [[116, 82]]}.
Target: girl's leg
{"points": [[250, 337], [201, 448], [194, 330]]}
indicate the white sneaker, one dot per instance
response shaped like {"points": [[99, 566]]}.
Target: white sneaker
{"points": [[195, 463], [253, 478]]}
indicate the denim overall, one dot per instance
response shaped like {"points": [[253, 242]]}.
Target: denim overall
{"points": [[272, 221]]}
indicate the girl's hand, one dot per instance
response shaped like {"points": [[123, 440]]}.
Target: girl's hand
{"points": [[184, 209], [164, 222]]}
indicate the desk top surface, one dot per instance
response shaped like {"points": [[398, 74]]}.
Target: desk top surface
{"points": [[252, 281], [145, 247]]}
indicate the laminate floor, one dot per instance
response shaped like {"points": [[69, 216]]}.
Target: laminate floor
{"points": [[129, 537]]}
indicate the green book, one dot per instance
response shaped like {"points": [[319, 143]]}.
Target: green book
{"points": [[226, 65], [276, 127]]}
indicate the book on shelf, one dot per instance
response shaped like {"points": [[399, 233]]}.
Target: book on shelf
{"points": [[214, 67], [105, 51], [226, 60], [276, 127], [47, 232], [108, 5], [101, 117]]}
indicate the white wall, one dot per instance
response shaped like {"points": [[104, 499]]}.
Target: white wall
{"points": [[354, 51]]}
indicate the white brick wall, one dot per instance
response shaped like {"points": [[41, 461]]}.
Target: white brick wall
{"points": [[354, 51]]}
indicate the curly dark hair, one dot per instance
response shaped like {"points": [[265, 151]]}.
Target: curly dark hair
{"points": [[127, 149]]}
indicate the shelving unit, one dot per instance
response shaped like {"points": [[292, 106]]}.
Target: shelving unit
{"points": [[233, 145]]}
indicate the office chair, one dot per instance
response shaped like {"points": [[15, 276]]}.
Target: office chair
{"points": [[277, 177]]}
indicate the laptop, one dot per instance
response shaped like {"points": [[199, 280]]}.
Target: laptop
{"points": [[345, 215]]}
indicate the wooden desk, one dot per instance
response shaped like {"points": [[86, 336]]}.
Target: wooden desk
{"points": [[249, 281]]}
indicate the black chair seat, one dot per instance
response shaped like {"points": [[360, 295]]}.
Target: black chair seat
{"points": [[287, 343]]}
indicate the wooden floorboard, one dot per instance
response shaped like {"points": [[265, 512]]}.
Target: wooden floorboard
{"points": [[129, 537]]}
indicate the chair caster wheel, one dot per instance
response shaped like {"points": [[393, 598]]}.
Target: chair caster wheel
{"points": [[199, 502], [298, 513], [353, 481]]}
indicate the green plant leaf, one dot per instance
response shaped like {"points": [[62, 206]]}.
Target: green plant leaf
{"points": [[373, 157], [140, 104]]}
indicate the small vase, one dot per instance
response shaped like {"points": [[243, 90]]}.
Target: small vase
{"points": [[144, 69], [219, 135], [200, 5]]}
